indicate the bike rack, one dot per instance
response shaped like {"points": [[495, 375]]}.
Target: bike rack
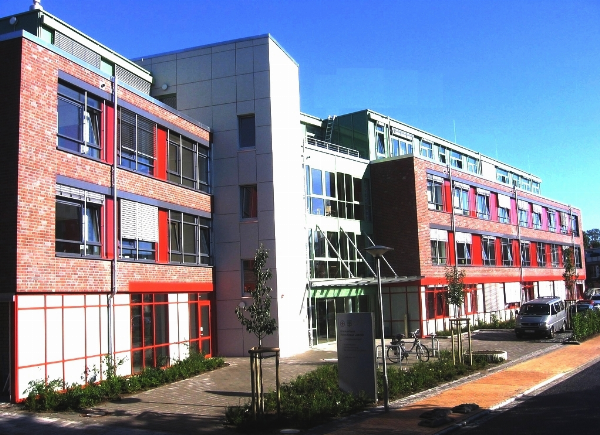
{"points": [[435, 345]]}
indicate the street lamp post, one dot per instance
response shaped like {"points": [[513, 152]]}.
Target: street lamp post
{"points": [[378, 251]]}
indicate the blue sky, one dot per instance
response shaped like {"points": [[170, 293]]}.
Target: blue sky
{"points": [[519, 79]]}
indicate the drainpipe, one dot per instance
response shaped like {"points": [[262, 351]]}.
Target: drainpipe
{"points": [[111, 326], [307, 264]]}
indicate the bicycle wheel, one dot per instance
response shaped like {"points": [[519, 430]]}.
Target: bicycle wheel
{"points": [[393, 354], [422, 353]]}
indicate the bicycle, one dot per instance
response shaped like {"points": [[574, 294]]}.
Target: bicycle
{"points": [[397, 350]]}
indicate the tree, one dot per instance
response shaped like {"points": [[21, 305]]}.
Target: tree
{"points": [[455, 278], [591, 238], [259, 322], [569, 274]]}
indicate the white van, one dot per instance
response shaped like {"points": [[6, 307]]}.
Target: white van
{"points": [[544, 315]]}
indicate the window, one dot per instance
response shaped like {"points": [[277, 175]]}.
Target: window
{"points": [[149, 331], [248, 198], [577, 256], [169, 99], [503, 209], [78, 221], [435, 197], [456, 159], [247, 134], [525, 254], [535, 187], [200, 336], [406, 148], [554, 255], [461, 198], [463, 248], [248, 276], [79, 117], [564, 222], [136, 142], [540, 250], [551, 220], [139, 230], [436, 300], [507, 259], [380, 144], [574, 225], [536, 216], [439, 241], [395, 151], [188, 162], [426, 149], [488, 251], [483, 204], [442, 154], [502, 175], [189, 239], [523, 213], [472, 165]]}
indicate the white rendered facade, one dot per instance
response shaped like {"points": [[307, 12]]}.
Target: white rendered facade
{"points": [[218, 85]]}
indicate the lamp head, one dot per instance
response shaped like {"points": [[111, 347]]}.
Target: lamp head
{"points": [[378, 250]]}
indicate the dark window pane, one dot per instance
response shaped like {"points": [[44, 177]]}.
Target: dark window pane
{"points": [[246, 132], [205, 317]]}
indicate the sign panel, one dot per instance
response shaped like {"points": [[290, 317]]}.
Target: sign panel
{"points": [[356, 353]]}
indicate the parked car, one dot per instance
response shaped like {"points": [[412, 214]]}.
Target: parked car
{"points": [[595, 300], [581, 306], [544, 315]]}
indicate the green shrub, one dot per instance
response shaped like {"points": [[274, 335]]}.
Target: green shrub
{"points": [[315, 396], [47, 396], [495, 323], [586, 324]]}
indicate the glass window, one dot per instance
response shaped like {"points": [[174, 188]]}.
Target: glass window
{"points": [[575, 225], [395, 151], [463, 253], [507, 258], [461, 200], [149, 331], [247, 134], [551, 220], [249, 206], [248, 276], [79, 116], [525, 254], [541, 254], [472, 165], [554, 255], [406, 148], [536, 218], [435, 194], [523, 218], [77, 228], [188, 162], [456, 159], [317, 181], [189, 239], [488, 251], [438, 252], [426, 149], [442, 154], [380, 144], [577, 255], [535, 187], [136, 142], [483, 206], [503, 215], [502, 176]]}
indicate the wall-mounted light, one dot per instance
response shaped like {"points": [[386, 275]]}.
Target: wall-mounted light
{"points": [[242, 305], [102, 85], [164, 87], [13, 21]]}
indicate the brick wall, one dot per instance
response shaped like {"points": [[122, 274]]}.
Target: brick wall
{"points": [[38, 269]]}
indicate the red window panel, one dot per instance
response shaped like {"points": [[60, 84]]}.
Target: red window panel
{"points": [[451, 257], [472, 202], [447, 195], [436, 300], [161, 154], [494, 206], [108, 121], [162, 247], [108, 228], [476, 258], [470, 302], [533, 254]]}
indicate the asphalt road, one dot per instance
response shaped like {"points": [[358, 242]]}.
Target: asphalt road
{"points": [[569, 407]]}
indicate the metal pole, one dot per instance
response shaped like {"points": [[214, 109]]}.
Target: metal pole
{"points": [[386, 397]]}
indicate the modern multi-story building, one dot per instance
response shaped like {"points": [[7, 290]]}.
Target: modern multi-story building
{"points": [[440, 204], [106, 212], [184, 163]]}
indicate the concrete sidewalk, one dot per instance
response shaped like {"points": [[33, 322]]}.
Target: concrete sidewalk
{"points": [[197, 405], [490, 391]]}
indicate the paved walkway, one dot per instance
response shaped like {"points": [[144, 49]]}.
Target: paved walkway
{"points": [[197, 405]]}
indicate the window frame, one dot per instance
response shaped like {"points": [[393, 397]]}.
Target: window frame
{"points": [[179, 252], [152, 306], [482, 201], [456, 159], [142, 129], [540, 250], [460, 195], [525, 249], [463, 253], [506, 250], [249, 202], [88, 118], [247, 131], [488, 251], [554, 255], [426, 149], [200, 162], [435, 193]]}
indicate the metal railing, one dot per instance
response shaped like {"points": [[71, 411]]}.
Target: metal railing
{"points": [[332, 147]]}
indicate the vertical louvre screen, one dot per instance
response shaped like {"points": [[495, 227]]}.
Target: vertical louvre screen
{"points": [[145, 136], [128, 219], [493, 294], [127, 130]]}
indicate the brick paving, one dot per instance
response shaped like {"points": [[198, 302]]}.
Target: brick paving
{"points": [[197, 405]]}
